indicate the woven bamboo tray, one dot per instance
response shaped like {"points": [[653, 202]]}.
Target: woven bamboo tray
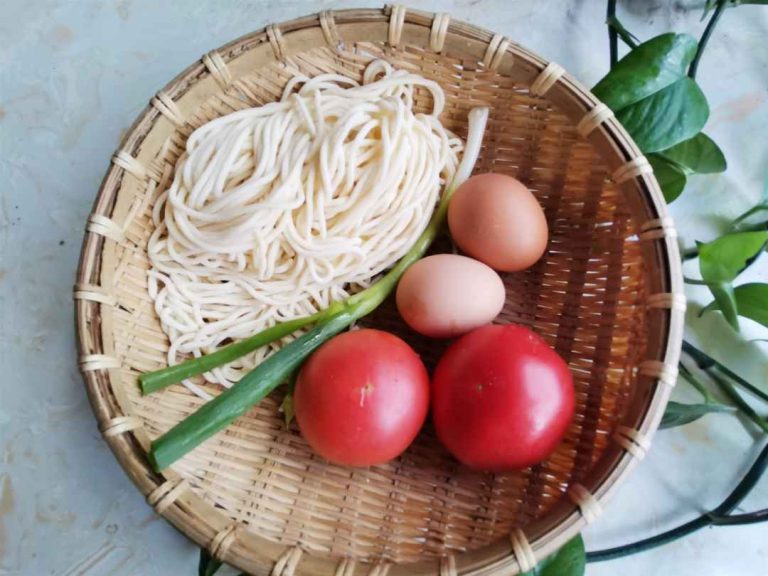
{"points": [[607, 296]]}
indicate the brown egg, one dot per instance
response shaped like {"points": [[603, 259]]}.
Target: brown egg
{"points": [[446, 295], [496, 219]]}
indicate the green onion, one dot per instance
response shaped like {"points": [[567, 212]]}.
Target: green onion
{"points": [[220, 412], [233, 403], [154, 381]]}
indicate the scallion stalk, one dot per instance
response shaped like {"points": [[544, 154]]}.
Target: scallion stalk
{"points": [[159, 379]]}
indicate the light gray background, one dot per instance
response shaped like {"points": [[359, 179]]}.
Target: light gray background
{"points": [[73, 75]]}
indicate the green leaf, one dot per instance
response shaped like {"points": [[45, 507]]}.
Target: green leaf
{"points": [[699, 154], [722, 260], [751, 302], [670, 176], [570, 560], [671, 115], [660, 106], [723, 293], [208, 565], [652, 66], [678, 414]]}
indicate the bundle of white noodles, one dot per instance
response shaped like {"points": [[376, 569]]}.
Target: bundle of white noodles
{"points": [[277, 211]]}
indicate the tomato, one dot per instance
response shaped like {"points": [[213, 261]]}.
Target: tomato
{"points": [[502, 399], [361, 398]]}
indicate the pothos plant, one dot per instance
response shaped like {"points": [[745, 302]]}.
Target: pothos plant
{"points": [[653, 92]]}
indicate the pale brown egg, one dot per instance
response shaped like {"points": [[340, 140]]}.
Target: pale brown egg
{"points": [[446, 295], [496, 219]]}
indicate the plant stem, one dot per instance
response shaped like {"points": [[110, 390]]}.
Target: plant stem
{"points": [[746, 485], [721, 5], [613, 36], [625, 35], [208, 566], [740, 519], [694, 281], [690, 254], [696, 383], [734, 498], [729, 390], [706, 362], [755, 227], [747, 214]]}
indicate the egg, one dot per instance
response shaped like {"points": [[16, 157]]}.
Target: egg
{"points": [[496, 219], [446, 295]]}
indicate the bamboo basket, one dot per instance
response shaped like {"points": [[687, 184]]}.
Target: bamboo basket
{"points": [[607, 296]]}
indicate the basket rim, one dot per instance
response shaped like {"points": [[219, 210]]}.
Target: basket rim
{"points": [[209, 527]]}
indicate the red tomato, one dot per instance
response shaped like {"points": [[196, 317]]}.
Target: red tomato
{"points": [[362, 398], [502, 399]]}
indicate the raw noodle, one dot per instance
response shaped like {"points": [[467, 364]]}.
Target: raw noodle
{"points": [[277, 211]]}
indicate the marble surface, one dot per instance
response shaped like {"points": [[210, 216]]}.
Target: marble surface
{"points": [[73, 75]]}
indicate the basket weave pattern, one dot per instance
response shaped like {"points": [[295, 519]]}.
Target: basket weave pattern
{"points": [[605, 296]]}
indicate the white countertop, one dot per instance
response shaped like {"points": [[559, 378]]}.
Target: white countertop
{"points": [[73, 75]]}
